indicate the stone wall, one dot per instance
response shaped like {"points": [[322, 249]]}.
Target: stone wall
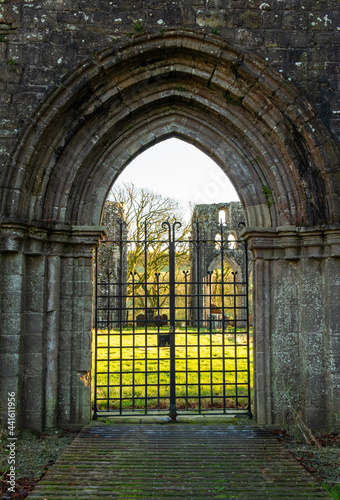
{"points": [[41, 41], [85, 86], [296, 344], [46, 308]]}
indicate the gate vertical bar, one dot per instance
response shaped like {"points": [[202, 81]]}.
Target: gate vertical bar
{"points": [[96, 334], [186, 336], [133, 275], [108, 317], [235, 335], [249, 412], [198, 281], [120, 316], [157, 275], [212, 326], [173, 409], [146, 317], [224, 322]]}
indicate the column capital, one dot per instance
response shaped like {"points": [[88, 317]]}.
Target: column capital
{"points": [[293, 242], [56, 239]]}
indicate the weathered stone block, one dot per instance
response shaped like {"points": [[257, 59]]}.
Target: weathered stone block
{"points": [[251, 19], [65, 323], [65, 361], [35, 322], [9, 384], [39, 76], [33, 343], [173, 15], [33, 396], [11, 302], [9, 365], [83, 360], [293, 20], [65, 338], [11, 323], [13, 264], [9, 344], [213, 19], [10, 13], [35, 294], [315, 418], [32, 420], [34, 363]]}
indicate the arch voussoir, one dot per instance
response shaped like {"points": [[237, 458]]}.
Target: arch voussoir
{"points": [[133, 78]]}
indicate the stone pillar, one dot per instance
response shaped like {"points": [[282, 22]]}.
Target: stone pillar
{"points": [[32, 402], [46, 312], [332, 320], [75, 335], [296, 327], [52, 339], [81, 340], [12, 307]]}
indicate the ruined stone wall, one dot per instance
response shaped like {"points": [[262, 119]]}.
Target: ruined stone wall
{"points": [[42, 40], [109, 255], [208, 217], [112, 267], [218, 222]]}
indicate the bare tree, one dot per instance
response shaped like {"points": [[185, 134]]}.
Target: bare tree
{"points": [[147, 261]]}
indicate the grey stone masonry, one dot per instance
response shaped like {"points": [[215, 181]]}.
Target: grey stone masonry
{"points": [[42, 41], [296, 317], [46, 307], [85, 87]]}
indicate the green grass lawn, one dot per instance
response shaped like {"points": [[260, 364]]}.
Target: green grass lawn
{"points": [[133, 373]]}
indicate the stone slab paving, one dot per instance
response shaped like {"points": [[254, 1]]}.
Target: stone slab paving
{"points": [[176, 461]]}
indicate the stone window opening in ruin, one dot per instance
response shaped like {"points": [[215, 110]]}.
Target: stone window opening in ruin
{"points": [[222, 217], [218, 239], [232, 243]]}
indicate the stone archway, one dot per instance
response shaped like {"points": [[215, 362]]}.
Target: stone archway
{"points": [[233, 106], [265, 137]]}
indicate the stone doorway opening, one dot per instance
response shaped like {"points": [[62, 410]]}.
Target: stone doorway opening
{"points": [[171, 306]]}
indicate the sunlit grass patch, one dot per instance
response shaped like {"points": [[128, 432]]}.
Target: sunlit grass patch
{"points": [[134, 373]]}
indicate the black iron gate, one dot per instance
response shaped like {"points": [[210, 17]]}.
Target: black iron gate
{"points": [[172, 330]]}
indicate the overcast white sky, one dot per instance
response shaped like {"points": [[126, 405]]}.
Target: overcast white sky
{"points": [[179, 170]]}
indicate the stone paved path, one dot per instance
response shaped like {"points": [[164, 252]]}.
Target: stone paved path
{"points": [[176, 461]]}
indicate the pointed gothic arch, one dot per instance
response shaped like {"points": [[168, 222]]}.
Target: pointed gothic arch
{"points": [[232, 105]]}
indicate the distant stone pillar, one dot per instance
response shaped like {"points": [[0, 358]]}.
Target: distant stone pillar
{"points": [[296, 324]]}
